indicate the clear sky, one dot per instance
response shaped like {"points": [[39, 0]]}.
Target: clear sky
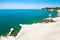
{"points": [[28, 4]]}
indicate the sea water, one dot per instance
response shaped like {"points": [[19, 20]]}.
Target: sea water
{"points": [[13, 17]]}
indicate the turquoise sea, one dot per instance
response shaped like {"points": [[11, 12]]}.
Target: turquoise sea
{"points": [[13, 17]]}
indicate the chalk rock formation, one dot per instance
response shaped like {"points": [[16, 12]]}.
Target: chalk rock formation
{"points": [[40, 31]]}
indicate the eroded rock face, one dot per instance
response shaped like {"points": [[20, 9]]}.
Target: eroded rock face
{"points": [[7, 38], [40, 31], [52, 36]]}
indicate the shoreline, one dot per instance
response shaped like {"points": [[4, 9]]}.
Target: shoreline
{"points": [[37, 31]]}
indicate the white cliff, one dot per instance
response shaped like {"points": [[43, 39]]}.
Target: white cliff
{"points": [[37, 31]]}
